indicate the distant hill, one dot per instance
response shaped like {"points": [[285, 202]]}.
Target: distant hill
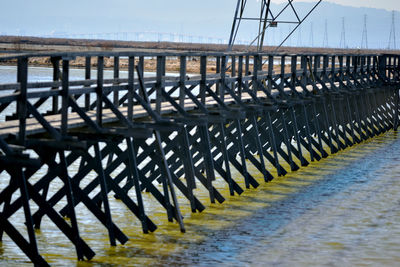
{"points": [[208, 18]]}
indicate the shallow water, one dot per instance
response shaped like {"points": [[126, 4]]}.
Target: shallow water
{"points": [[341, 211]]}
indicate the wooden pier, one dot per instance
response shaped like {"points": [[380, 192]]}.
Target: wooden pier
{"points": [[180, 131]]}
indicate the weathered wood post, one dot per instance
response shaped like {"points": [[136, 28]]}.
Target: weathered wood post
{"points": [[240, 77], [160, 82], [233, 72], [99, 91], [22, 110], [55, 61], [203, 81], [131, 81], [247, 68], [182, 79], [217, 70], [270, 72], [223, 77], [65, 96], [116, 77], [256, 63], [293, 67], [87, 78]]}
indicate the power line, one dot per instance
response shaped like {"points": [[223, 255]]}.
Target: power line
{"points": [[142, 36]]}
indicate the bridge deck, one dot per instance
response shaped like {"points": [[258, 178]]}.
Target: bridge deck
{"points": [[75, 121], [11, 127]]}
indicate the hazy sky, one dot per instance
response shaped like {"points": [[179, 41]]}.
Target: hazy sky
{"points": [[197, 21], [385, 4]]}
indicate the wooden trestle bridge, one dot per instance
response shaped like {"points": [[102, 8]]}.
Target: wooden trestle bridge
{"points": [[175, 132]]}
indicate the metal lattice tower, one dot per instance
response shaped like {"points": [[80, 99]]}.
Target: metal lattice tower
{"points": [[392, 35], [364, 38], [299, 38], [325, 42], [289, 38], [343, 36], [273, 36], [266, 19], [311, 39]]}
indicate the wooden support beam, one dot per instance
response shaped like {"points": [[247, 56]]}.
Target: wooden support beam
{"points": [[135, 176], [169, 183], [71, 205]]}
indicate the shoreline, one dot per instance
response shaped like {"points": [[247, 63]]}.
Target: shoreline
{"points": [[23, 44]]}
